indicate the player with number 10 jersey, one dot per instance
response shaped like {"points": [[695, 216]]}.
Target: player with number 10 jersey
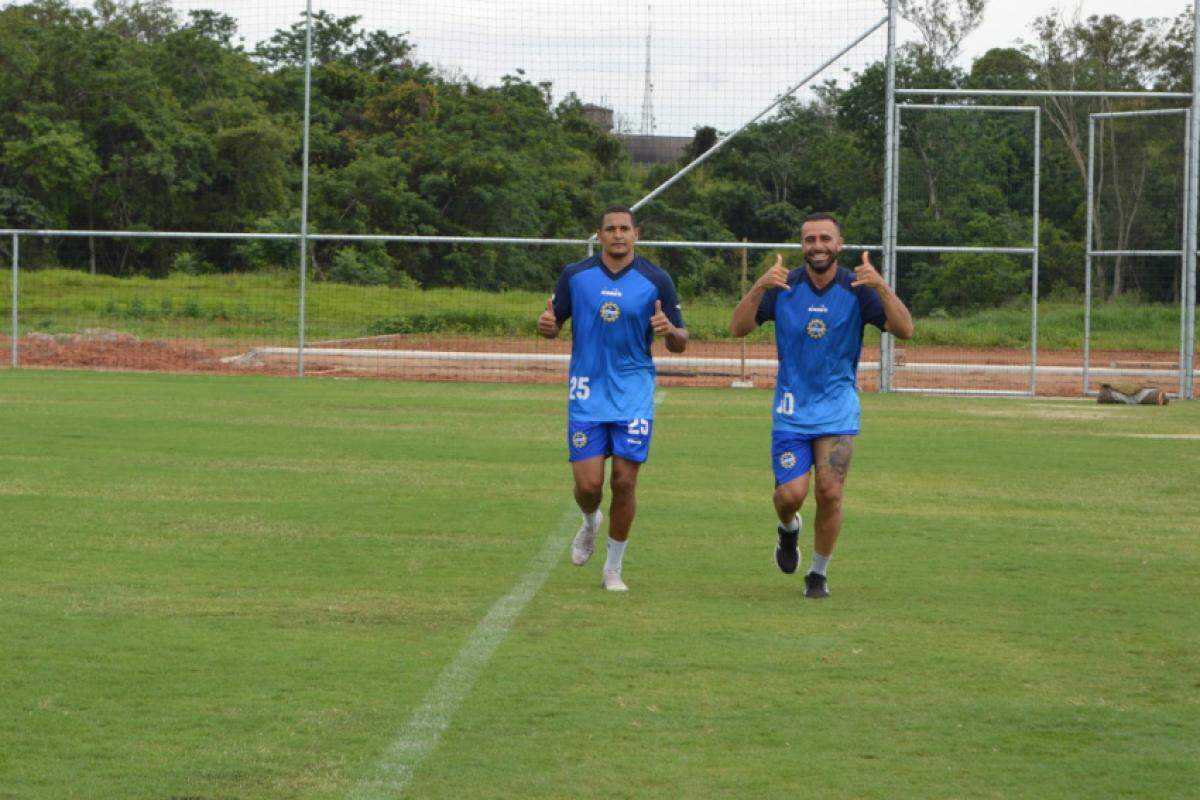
{"points": [[819, 312]]}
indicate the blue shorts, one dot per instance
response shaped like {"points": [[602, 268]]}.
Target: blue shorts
{"points": [[792, 453], [629, 440]]}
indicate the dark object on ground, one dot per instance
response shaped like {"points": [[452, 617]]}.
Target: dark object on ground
{"points": [[1131, 394]]}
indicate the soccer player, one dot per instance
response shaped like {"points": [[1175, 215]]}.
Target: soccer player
{"points": [[819, 311], [618, 301]]}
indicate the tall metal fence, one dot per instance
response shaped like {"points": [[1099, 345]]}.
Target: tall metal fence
{"points": [[1081, 368], [307, 320]]}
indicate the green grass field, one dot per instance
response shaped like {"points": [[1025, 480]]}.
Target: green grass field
{"points": [[245, 588], [264, 307]]}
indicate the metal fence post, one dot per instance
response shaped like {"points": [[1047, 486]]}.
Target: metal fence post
{"points": [[304, 186], [1183, 247], [742, 292], [16, 270], [1037, 210], [891, 139], [1087, 249], [1188, 388], [893, 241]]}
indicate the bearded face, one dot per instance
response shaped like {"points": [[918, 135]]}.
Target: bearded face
{"points": [[822, 242]]}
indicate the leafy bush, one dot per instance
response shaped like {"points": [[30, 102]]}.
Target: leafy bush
{"points": [[189, 263], [362, 269], [970, 281]]}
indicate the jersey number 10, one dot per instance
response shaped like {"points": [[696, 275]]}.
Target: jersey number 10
{"points": [[787, 404]]}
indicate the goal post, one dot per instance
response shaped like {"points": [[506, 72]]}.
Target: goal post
{"points": [[930, 376], [1098, 249]]}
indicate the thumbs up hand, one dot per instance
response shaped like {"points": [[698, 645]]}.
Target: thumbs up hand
{"points": [[866, 274], [547, 324], [775, 277], [659, 322]]}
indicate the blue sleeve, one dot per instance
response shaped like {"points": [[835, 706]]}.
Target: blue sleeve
{"points": [[766, 306], [666, 293], [670, 300], [562, 296], [871, 307]]}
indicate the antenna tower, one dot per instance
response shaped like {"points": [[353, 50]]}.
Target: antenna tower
{"points": [[648, 125]]}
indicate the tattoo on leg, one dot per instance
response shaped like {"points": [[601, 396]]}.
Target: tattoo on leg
{"points": [[837, 457]]}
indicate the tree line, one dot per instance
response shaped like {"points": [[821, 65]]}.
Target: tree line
{"points": [[126, 116]]}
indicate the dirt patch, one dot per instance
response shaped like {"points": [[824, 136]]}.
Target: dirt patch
{"points": [[512, 359], [115, 350]]}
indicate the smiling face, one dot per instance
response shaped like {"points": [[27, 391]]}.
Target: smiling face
{"points": [[822, 242], [617, 235]]}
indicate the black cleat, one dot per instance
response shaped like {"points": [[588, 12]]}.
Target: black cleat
{"points": [[787, 553], [815, 586]]}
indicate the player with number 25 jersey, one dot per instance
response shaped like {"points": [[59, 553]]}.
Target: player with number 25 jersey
{"points": [[612, 371], [617, 302]]}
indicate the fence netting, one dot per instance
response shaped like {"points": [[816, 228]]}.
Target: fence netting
{"points": [[965, 179], [456, 119], [1137, 279]]}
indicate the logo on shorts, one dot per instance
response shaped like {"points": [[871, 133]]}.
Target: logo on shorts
{"points": [[579, 440], [787, 460], [609, 312], [816, 328]]}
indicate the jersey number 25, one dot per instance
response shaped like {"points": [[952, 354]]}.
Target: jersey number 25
{"points": [[579, 389]]}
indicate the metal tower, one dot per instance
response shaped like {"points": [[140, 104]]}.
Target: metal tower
{"points": [[648, 124]]}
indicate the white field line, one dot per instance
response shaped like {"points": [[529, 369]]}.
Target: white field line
{"points": [[1179, 436], [421, 735], [427, 724]]}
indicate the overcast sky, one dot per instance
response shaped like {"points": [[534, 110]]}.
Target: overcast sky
{"points": [[713, 62], [1004, 22]]}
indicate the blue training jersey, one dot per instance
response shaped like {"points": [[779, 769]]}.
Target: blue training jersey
{"points": [[612, 371], [818, 337]]}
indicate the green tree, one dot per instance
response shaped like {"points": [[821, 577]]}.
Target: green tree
{"points": [[943, 25], [1103, 53]]}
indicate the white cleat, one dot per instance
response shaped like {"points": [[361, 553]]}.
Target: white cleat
{"points": [[613, 583], [585, 542]]}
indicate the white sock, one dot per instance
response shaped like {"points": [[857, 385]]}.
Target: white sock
{"points": [[820, 563], [616, 552], [793, 524], [592, 520]]}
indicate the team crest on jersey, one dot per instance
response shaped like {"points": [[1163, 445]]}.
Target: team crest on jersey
{"points": [[609, 312], [787, 460], [816, 328], [579, 440]]}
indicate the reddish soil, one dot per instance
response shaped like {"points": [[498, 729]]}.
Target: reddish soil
{"points": [[980, 370]]}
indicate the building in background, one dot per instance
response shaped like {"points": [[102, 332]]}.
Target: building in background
{"points": [[644, 148]]}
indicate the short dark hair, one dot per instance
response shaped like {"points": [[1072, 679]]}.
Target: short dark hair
{"points": [[822, 216], [616, 210]]}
